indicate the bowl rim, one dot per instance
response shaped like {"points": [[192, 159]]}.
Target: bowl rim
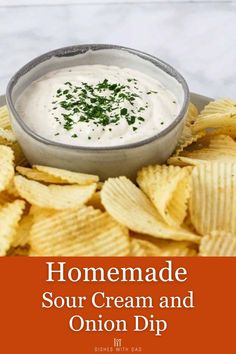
{"points": [[81, 49]]}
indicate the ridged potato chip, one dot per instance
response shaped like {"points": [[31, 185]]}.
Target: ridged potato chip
{"points": [[217, 148], [191, 114], [4, 118], [177, 249], [187, 140], [129, 206], [57, 176], [183, 161], [213, 201], [10, 215], [68, 177], [141, 245], [99, 185], [223, 142], [143, 248], [6, 166], [217, 114], [218, 243], [5, 198], [20, 159], [23, 231], [78, 232], [7, 137], [221, 147], [95, 201], [168, 187], [188, 223], [18, 251], [53, 196], [36, 175], [188, 136], [11, 190], [229, 130]]}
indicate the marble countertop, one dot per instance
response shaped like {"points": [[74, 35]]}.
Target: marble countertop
{"points": [[197, 38]]}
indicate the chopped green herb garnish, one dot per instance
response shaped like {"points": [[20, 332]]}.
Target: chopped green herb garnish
{"points": [[123, 111], [141, 109], [100, 104], [141, 119]]}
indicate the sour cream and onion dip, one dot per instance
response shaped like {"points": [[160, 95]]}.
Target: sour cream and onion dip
{"points": [[97, 105]]}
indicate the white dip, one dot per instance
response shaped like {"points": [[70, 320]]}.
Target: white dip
{"points": [[97, 105]]}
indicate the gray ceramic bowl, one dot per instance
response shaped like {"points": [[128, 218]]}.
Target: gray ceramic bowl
{"points": [[104, 161]]}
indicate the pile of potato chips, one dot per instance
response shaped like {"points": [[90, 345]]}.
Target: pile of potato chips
{"points": [[184, 208]]}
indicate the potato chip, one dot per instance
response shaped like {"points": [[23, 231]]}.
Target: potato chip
{"points": [[38, 173], [183, 161], [100, 185], [191, 115], [11, 189], [53, 196], [211, 139], [78, 232], [168, 187], [207, 155], [223, 142], [5, 198], [217, 114], [10, 215], [186, 140], [177, 249], [218, 243], [7, 137], [229, 130], [20, 159], [18, 251], [23, 232], [220, 147], [95, 201], [141, 245], [188, 223], [213, 202], [4, 118], [217, 148], [38, 176], [143, 248], [129, 205], [68, 177], [188, 137], [6, 166]]}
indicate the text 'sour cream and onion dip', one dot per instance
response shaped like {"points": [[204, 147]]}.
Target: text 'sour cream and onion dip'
{"points": [[97, 105]]}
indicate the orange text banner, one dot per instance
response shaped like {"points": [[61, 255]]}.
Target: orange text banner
{"points": [[132, 305]]}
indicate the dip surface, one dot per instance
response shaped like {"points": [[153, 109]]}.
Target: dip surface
{"points": [[97, 105]]}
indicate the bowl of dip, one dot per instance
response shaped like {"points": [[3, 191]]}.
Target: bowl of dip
{"points": [[100, 109]]}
